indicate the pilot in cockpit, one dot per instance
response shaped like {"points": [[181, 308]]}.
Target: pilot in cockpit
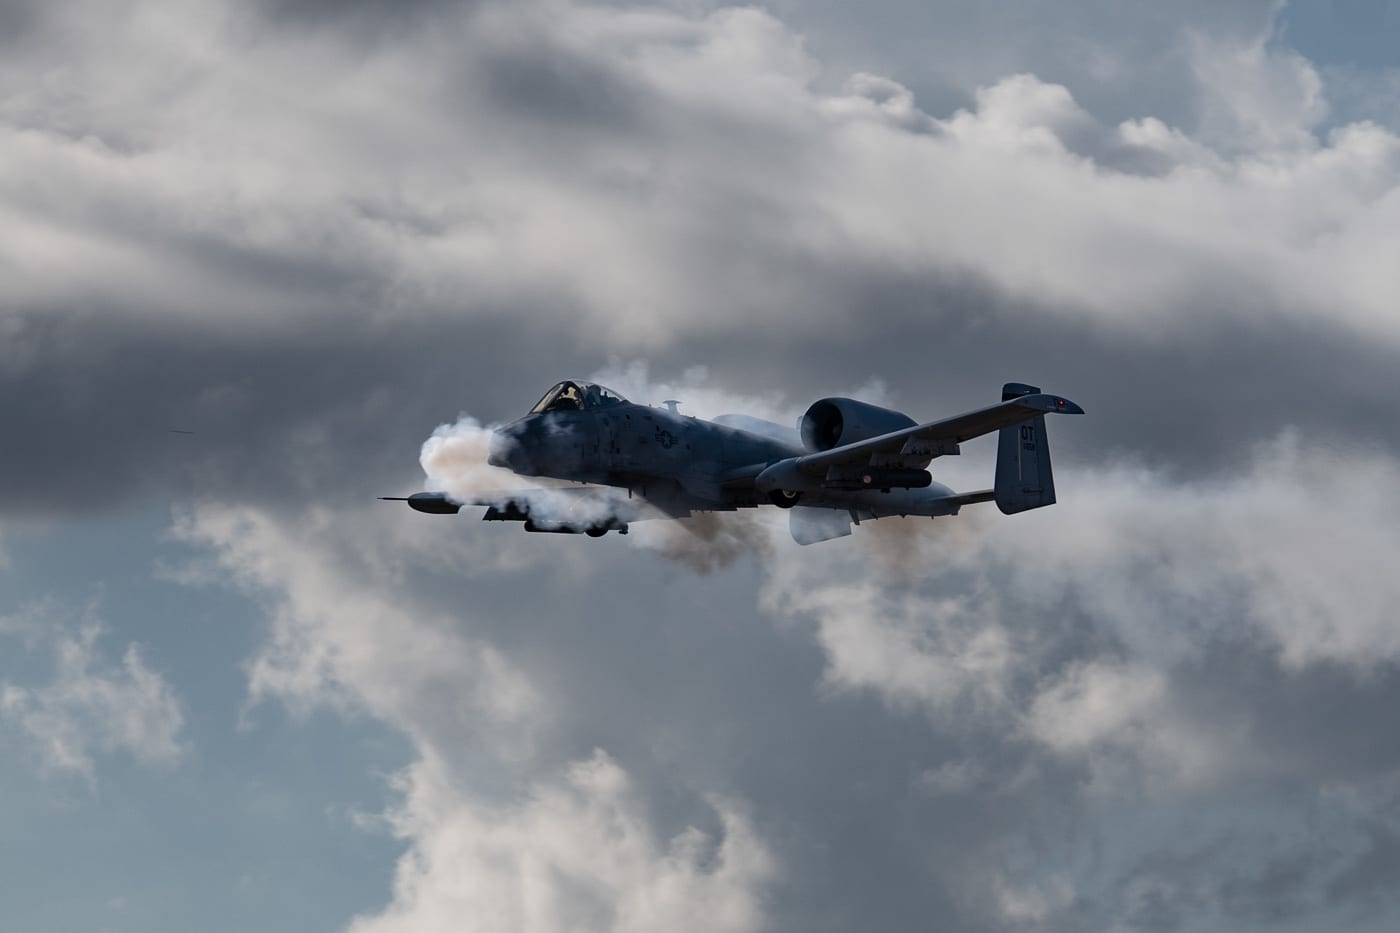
{"points": [[567, 399], [563, 397], [569, 396]]}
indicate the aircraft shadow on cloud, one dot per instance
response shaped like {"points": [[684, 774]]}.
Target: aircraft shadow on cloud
{"points": [[846, 462]]}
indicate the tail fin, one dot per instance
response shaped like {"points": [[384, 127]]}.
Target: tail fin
{"points": [[1024, 480]]}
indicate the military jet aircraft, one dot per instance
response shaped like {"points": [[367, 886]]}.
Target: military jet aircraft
{"points": [[846, 462]]}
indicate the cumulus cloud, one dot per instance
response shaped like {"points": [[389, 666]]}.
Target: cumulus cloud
{"points": [[313, 232], [340, 638], [577, 853], [93, 706], [428, 237], [579, 850], [1087, 628], [1134, 642]]}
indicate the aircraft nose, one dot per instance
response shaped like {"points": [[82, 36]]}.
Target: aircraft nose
{"points": [[505, 448]]}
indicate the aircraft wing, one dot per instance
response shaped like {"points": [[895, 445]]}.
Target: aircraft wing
{"points": [[958, 500], [813, 525], [937, 438]]}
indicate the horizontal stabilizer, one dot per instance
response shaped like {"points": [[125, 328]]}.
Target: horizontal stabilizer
{"points": [[969, 498]]}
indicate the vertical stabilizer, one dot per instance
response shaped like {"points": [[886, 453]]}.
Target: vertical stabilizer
{"points": [[1024, 480]]}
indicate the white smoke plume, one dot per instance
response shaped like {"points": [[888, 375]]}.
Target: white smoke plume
{"points": [[710, 541], [455, 461]]}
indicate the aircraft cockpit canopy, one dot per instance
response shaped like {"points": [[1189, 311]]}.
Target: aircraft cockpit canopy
{"points": [[577, 396]]}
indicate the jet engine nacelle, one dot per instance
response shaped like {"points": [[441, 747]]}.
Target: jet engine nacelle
{"points": [[831, 422]]}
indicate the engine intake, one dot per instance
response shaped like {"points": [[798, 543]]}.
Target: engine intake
{"points": [[832, 422]]}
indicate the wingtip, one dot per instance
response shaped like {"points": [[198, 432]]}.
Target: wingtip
{"points": [[1068, 407], [1054, 403]]}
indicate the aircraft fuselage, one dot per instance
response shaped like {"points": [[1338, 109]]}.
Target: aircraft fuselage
{"points": [[675, 461], [636, 447]]}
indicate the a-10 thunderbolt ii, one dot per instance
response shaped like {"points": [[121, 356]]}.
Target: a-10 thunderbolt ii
{"points": [[846, 461]]}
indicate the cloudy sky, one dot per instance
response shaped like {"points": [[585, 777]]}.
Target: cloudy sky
{"points": [[238, 693]]}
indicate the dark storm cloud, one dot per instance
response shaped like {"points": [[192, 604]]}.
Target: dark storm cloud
{"points": [[1190, 395], [1227, 880], [329, 415], [277, 411], [1366, 886], [1320, 723], [1191, 405], [1193, 401], [553, 83], [17, 17], [1167, 891]]}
